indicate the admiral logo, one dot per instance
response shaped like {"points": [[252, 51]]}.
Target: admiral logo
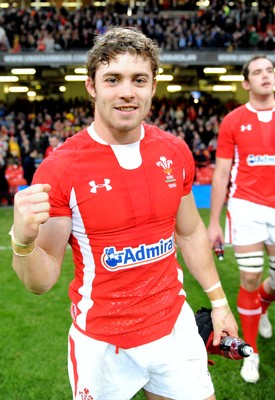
{"points": [[246, 127], [130, 257], [167, 169], [260, 160]]}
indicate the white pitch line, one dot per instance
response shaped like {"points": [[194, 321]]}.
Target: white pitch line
{"points": [[4, 248]]}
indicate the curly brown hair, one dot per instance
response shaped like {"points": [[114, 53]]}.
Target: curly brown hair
{"points": [[117, 40]]}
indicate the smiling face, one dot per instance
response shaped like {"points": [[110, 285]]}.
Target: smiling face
{"points": [[260, 79], [122, 91]]}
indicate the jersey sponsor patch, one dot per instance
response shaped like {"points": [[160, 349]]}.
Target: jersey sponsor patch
{"points": [[254, 160], [130, 257]]}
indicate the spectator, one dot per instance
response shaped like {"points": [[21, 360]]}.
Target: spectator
{"points": [[5, 197], [66, 30], [14, 149], [4, 41], [54, 143], [28, 163]]}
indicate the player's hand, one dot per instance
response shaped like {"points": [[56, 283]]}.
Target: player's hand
{"points": [[215, 234], [31, 209], [224, 323]]}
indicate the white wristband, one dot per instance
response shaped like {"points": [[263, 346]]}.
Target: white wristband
{"points": [[217, 285], [219, 303]]}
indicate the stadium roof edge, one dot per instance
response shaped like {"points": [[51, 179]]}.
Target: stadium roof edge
{"points": [[182, 58]]}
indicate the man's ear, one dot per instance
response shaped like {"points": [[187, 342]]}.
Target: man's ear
{"points": [[154, 87], [89, 83], [245, 85]]}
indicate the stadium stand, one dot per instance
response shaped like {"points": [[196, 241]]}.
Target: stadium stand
{"points": [[218, 26], [25, 127]]}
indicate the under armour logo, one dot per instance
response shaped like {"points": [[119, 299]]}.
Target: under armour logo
{"points": [[246, 127], [105, 185]]}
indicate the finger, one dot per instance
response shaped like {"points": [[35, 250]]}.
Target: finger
{"points": [[41, 218], [41, 197], [216, 338], [30, 199], [31, 214], [40, 207], [47, 187], [36, 188], [32, 221]]}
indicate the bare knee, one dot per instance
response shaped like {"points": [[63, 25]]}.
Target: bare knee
{"points": [[152, 396], [213, 397], [250, 281], [251, 265]]}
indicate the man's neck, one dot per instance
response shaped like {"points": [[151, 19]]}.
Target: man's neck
{"points": [[262, 102]]}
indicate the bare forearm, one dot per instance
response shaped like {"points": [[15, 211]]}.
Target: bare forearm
{"points": [[38, 271], [193, 241], [196, 247], [218, 195], [219, 189]]}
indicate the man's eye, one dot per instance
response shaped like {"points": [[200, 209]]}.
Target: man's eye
{"points": [[140, 81], [112, 80]]}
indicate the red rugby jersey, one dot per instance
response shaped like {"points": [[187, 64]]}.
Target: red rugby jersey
{"points": [[127, 288], [248, 137]]}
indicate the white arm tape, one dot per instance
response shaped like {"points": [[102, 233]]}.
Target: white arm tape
{"points": [[219, 303], [217, 285]]}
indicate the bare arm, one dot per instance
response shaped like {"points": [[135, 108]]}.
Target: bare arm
{"points": [[218, 194], [192, 240], [40, 270]]}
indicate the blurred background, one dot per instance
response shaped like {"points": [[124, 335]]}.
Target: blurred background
{"points": [[43, 47]]}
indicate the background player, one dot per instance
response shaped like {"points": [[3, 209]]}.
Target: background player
{"points": [[246, 155]]}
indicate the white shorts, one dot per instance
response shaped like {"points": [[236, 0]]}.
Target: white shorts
{"points": [[174, 366], [249, 223]]}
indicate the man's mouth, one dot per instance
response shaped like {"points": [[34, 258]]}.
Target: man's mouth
{"points": [[126, 108]]}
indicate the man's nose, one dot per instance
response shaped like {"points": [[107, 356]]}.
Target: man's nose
{"points": [[126, 89]]}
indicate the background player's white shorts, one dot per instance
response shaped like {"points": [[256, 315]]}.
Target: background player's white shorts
{"points": [[174, 366], [249, 223]]}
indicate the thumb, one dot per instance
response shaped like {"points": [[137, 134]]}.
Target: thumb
{"points": [[46, 187], [216, 338]]}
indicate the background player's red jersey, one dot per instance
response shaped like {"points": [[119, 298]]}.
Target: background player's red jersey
{"points": [[248, 135]]}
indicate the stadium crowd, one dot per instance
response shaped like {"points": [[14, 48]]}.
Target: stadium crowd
{"points": [[26, 138], [218, 26]]}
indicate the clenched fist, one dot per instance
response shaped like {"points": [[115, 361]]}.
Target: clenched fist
{"points": [[31, 209]]}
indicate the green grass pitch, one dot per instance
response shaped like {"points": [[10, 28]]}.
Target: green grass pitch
{"points": [[33, 334]]}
